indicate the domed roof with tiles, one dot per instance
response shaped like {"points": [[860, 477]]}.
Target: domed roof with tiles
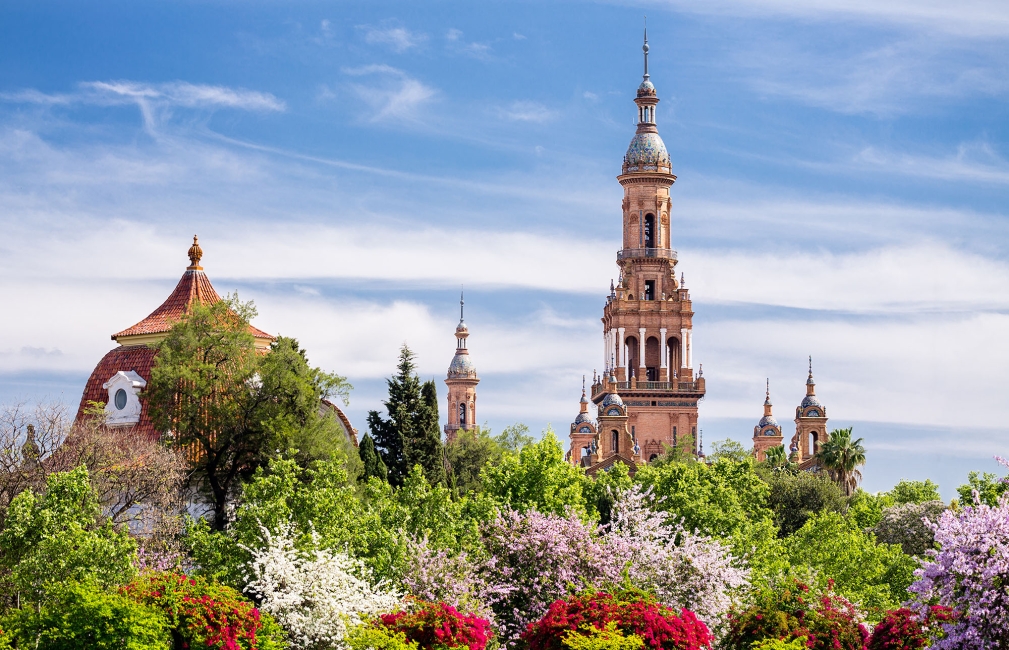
{"points": [[612, 399]]}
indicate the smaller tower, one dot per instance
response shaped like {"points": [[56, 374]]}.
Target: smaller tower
{"points": [[583, 433], [810, 425], [461, 380], [767, 433]]}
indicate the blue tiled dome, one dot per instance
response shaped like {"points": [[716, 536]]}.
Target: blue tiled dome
{"points": [[767, 420], [612, 399], [646, 152], [583, 417], [461, 366], [810, 400], [646, 89]]}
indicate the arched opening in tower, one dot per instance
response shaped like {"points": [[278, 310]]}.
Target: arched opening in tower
{"points": [[615, 442], [650, 231], [814, 440], [674, 354], [652, 360], [631, 353], [462, 415]]}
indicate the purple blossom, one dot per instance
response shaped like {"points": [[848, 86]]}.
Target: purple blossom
{"points": [[970, 574]]}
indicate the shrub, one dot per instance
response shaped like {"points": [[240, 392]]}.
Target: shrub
{"points": [[904, 524], [438, 626], [792, 609], [796, 496], [86, 616], [206, 615], [371, 637], [316, 595], [609, 637], [633, 613], [905, 629]]}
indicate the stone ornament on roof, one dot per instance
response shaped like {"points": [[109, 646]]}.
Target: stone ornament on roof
{"points": [[195, 255]]}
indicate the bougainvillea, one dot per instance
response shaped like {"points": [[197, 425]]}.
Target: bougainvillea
{"points": [[205, 615], [906, 629], [635, 613], [792, 609], [970, 574], [316, 595], [438, 626]]}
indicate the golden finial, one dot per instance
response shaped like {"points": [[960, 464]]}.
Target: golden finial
{"points": [[195, 255]]}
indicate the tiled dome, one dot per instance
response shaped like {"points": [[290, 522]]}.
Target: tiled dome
{"points": [[646, 152], [612, 399], [810, 400], [767, 420], [646, 89], [583, 417], [461, 366]]}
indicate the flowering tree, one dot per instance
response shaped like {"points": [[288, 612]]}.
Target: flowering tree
{"points": [[682, 569], [437, 575], [906, 629], [904, 524], [315, 595], [970, 574]]}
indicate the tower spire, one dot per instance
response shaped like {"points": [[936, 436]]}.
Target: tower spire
{"points": [[644, 48], [462, 303]]}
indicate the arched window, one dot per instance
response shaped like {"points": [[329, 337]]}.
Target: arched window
{"points": [[674, 355], [631, 351], [616, 441], [813, 442], [650, 231], [462, 415], [652, 359]]}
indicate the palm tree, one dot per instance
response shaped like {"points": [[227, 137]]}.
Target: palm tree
{"points": [[775, 456], [842, 457]]}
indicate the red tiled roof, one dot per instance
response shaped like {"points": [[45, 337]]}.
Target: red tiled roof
{"points": [[193, 287], [138, 358], [344, 420]]}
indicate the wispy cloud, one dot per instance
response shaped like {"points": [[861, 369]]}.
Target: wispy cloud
{"points": [[153, 100], [457, 44], [527, 111], [391, 92], [398, 39], [975, 162]]}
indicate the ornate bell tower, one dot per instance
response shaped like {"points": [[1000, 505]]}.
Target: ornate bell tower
{"points": [[647, 320], [461, 380], [810, 425]]}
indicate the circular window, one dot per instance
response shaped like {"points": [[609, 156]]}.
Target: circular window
{"points": [[121, 399]]}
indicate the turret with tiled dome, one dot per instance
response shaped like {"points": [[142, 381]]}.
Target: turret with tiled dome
{"points": [[462, 381], [583, 431], [810, 425], [647, 152], [767, 433]]}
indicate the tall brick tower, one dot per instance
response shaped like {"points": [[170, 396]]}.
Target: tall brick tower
{"points": [[461, 380], [647, 320], [810, 425], [767, 433]]}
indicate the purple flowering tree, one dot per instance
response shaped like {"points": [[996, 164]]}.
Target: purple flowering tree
{"points": [[970, 574]]}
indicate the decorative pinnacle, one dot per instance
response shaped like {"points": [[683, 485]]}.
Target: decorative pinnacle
{"points": [[767, 393], [195, 255], [809, 381], [644, 48], [462, 303]]}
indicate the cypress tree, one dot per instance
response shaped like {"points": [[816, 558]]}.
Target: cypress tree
{"points": [[425, 449], [372, 461]]}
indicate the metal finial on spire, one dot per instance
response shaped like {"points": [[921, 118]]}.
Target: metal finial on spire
{"points": [[583, 385], [462, 303], [644, 48], [810, 366], [767, 393]]}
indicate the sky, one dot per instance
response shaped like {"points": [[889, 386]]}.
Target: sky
{"points": [[843, 176]]}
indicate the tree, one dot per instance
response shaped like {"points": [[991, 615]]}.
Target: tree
{"points": [[539, 479], [514, 437], [232, 408], [842, 457], [728, 449], [61, 536], [796, 496], [989, 487], [914, 492], [372, 461], [410, 435], [466, 456], [904, 525], [775, 456]]}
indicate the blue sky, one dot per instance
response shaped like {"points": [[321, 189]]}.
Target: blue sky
{"points": [[842, 191]]}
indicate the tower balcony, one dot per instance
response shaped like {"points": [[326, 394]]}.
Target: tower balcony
{"points": [[652, 253], [694, 386]]}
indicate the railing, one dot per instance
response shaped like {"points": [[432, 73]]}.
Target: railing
{"points": [[661, 253], [623, 386]]}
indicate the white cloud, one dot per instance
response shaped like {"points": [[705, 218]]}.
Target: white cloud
{"points": [[391, 92], [481, 51], [975, 162], [527, 111], [399, 39]]}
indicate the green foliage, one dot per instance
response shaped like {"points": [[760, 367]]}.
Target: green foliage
{"points": [[606, 486], [775, 456], [540, 479], [989, 488], [914, 492], [87, 616], [514, 437], [371, 460], [724, 499], [875, 576], [202, 614], [58, 537], [610, 637], [728, 449], [467, 455], [376, 637], [866, 509], [796, 496], [410, 436], [234, 407], [798, 643]]}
